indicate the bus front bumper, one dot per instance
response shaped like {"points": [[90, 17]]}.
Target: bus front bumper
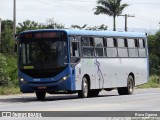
{"points": [[30, 87]]}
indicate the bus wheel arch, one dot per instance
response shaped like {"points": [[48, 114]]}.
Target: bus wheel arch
{"points": [[85, 87], [130, 86]]}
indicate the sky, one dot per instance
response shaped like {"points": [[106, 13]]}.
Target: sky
{"points": [[80, 12]]}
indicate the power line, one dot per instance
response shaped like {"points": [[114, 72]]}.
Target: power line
{"points": [[65, 5], [75, 1], [147, 3]]}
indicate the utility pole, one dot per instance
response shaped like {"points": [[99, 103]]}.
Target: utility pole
{"points": [[14, 19], [126, 16]]}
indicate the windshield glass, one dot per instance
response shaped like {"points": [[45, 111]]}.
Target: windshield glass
{"points": [[43, 54]]}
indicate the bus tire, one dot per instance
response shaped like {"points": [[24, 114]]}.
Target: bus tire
{"points": [[93, 93], [41, 95], [85, 88], [129, 89]]}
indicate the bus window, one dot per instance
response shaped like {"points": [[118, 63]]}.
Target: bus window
{"points": [[142, 50], [87, 46], [110, 42], [122, 49], [74, 50], [111, 48], [132, 47], [99, 47], [136, 42], [141, 43]]}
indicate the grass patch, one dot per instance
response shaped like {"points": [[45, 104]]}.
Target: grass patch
{"points": [[153, 82], [9, 90]]}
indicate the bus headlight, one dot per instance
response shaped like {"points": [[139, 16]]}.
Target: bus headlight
{"points": [[65, 77], [22, 81]]}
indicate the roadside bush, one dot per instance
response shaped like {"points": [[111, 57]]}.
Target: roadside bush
{"points": [[152, 83], [12, 69], [4, 77]]}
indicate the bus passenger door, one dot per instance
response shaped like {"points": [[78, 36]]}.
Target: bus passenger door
{"points": [[75, 62]]}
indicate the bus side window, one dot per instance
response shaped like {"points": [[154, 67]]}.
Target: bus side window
{"points": [[87, 46], [142, 49], [74, 49], [99, 47], [122, 48], [132, 48], [111, 47]]}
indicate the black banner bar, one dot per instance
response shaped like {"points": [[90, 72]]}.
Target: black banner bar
{"points": [[36, 114]]}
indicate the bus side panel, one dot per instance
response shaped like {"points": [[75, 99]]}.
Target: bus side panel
{"points": [[85, 67], [108, 67], [116, 71], [78, 77]]}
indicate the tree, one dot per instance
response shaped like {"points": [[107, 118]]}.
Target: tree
{"points": [[27, 25], [52, 24], [8, 23], [32, 25], [78, 27], [7, 42], [101, 27], [111, 8], [154, 53], [4, 77]]}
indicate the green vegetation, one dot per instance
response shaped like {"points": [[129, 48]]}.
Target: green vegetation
{"points": [[5, 80], [12, 70], [9, 90], [8, 75], [154, 82]]}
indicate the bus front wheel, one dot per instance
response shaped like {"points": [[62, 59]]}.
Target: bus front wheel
{"points": [[129, 89], [85, 88], [94, 93], [41, 95]]}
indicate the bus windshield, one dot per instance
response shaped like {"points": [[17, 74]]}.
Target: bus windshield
{"points": [[43, 54]]}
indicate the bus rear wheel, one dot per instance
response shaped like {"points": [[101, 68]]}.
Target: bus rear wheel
{"points": [[85, 88], [129, 89], [41, 95]]}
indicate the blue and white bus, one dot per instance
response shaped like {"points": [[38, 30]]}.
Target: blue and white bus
{"points": [[81, 61]]}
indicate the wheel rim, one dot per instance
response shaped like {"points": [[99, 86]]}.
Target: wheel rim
{"points": [[85, 87]]}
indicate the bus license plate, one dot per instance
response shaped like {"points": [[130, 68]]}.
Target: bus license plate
{"points": [[42, 87]]}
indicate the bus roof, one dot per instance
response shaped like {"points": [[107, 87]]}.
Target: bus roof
{"points": [[94, 33]]}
